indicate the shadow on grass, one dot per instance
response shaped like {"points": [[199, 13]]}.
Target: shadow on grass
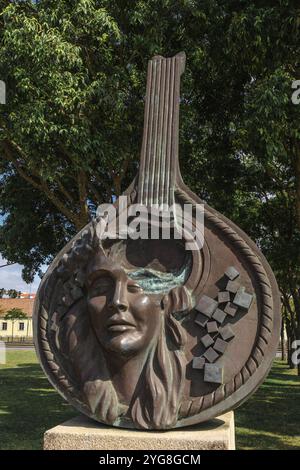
{"points": [[28, 407], [271, 418]]}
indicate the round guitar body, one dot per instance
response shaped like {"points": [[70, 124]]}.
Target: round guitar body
{"points": [[144, 332]]}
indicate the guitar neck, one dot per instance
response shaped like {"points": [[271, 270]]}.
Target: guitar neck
{"points": [[159, 154]]}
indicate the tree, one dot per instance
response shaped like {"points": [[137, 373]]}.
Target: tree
{"points": [[13, 293], [2, 292], [15, 314], [270, 141]]}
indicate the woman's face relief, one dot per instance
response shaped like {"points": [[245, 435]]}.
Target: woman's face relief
{"points": [[125, 319]]}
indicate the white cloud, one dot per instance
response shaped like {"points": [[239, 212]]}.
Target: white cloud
{"points": [[11, 278]]}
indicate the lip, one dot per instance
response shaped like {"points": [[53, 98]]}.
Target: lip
{"points": [[119, 325]]}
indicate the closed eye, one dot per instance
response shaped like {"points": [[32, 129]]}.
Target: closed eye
{"points": [[101, 286], [134, 288]]}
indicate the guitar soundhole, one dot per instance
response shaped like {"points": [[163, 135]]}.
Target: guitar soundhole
{"points": [[156, 265]]}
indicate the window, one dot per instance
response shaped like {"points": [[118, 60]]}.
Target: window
{"points": [[4, 326], [21, 326]]}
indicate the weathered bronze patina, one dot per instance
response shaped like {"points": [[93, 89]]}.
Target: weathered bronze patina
{"points": [[145, 333]]}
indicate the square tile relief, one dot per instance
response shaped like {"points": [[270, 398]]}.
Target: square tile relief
{"points": [[213, 373], [231, 309], [201, 319], [207, 340], [223, 297], [227, 333], [232, 273], [206, 305], [198, 362], [220, 345], [219, 315], [243, 299], [211, 355], [212, 316], [212, 327], [233, 286]]}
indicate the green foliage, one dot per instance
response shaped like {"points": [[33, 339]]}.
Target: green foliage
{"points": [[33, 228], [15, 314], [13, 293]]}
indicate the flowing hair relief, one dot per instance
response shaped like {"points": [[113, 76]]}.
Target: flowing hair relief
{"points": [[159, 391], [89, 365]]}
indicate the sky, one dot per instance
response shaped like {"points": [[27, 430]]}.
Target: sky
{"points": [[11, 278]]}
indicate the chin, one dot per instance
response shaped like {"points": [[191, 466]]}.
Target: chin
{"points": [[123, 344]]}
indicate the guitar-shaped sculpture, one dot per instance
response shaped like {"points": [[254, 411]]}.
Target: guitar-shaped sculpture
{"points": [[166, 329]]}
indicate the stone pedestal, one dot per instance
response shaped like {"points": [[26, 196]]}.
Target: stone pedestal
{"points": [[82, 433]]}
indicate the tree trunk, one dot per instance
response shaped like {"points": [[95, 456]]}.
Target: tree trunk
{"points": [[296, 323], [283, 349], [117, 185], [292, 364], [286, 317], [298, 348], [297, 175], [290, 335]]}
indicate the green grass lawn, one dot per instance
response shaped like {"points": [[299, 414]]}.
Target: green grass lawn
{"points": [[29, 406], [270, 419], [28, 403]]}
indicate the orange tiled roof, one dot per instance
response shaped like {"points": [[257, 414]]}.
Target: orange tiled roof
{"points": [[24, 304]]}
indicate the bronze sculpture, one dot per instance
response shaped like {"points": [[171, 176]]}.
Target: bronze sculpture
{"points": [[146, 333]]}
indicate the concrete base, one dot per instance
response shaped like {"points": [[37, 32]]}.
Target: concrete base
{"points": [[82, 433]]}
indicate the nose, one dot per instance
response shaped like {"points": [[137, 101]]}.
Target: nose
{"points": [[119, 299]]}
